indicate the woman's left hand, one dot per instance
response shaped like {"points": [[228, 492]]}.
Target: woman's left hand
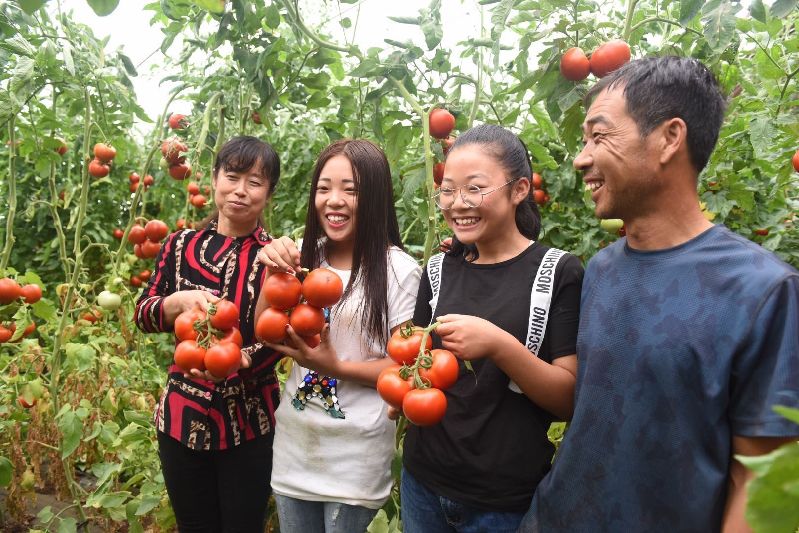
{"points": [[323, 358], [469, 337]]}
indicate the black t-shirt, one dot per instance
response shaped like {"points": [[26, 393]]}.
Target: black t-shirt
{"points": [[491, 448]]}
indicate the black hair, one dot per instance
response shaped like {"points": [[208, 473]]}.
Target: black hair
{"points": [[657, 89], [240, 154], [512, 154], [376, 228]]}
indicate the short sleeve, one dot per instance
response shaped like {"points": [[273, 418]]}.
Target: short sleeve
{"points": [[564, 317], [403, 286], [765, 372]]}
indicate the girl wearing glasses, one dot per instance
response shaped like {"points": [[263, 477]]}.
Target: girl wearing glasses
{"points": [[333, 441], [477, 470]]}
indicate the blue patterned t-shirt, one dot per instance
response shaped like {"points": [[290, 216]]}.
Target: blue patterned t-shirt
{"points": [[678, 351]]}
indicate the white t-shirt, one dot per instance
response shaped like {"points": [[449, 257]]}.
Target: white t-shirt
{"points": [[319, 456]]}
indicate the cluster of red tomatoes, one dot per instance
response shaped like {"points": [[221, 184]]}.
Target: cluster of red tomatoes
{"points": [[416, 386], [575, 65], [209, 340], [299, 304], [173, 149], [537, 192], [441, 123], [10, 292], [136, 181], [197, 199], [100, 166]]}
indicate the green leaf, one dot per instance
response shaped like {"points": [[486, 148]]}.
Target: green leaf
{"points": [[71, 429], [67, 525], [272, 17], [719, 23], [416, 21], [214, 6], [772, 495], [6, 471], [18, 45], [379, 523], [781, 8], [103, 7], [432, 30], [45, 515], [758, 10], [689, 9], [29, 6], [787, 412]]}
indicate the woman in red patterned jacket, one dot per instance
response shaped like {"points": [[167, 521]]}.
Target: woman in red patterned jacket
{"points": [[215, 437]]}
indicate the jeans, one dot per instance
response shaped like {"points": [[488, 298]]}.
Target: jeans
{"points": [[303, 516], [221, 491], [423, 511]]}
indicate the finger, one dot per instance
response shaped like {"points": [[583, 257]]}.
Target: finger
{"points": [[295, 339], [293, 251], [246, 360], [324, 336], [446, 329], [283, 248], [282, 348], [393, 413], [443, 319]]}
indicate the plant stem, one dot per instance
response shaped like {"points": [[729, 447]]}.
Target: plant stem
{"points": [[84, 190], [664, 20], [12, 195], [628, 19]]}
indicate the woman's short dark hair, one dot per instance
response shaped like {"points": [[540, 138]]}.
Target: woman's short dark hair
{"points": [[242, 153], [376, 228], [657, 89], [511, 153]]}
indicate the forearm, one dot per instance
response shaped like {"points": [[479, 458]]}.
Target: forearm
{"points": [[363, 372], [149, 315], [550, 386], [734, 512]]}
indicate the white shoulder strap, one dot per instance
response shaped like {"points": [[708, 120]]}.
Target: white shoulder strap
{"points": [[540, 300], [434, 265]]}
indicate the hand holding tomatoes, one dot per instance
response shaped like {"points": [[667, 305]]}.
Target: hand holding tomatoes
{"points": [[280, 255], [322, 358], [181, 301], [469, 337]]}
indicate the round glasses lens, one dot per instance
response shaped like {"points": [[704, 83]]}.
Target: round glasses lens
{"points": [[444, 198], [472, 196]]}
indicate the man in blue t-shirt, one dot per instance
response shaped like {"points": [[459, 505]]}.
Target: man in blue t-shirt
{"points": [[689, 333]]}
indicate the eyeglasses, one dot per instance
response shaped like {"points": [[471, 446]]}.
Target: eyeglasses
{"points": [[472, 195]]}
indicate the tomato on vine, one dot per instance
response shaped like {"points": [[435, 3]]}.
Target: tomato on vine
{"points": [[282, 290], [190, 356], [222, 359], [424, 407], [31, 293], [322, 287], [185, 322], [9, 290], [224, 315], [441, 122], [443, 371], [392, 387], [271, 325], [404, 344], [104, 152], [307, 320]]}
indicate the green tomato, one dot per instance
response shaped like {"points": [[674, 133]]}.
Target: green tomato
{"points": [[109, 301], [613, 225]]}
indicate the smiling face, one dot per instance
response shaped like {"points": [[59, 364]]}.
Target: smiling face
{"points": [[240, 197], [336, 200], [494, 218], [620, 168]]}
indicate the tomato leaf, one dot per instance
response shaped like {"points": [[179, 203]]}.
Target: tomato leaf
{"points": [[719, 23], [71, 428], [689, 9], [30, 6], [781, 8], [758, 10], [6, 471], [103, 7], [214, 6], [773, 493]]}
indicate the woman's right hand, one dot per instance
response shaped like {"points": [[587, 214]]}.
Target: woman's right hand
{"points": [[180, 301], [280, 255]]}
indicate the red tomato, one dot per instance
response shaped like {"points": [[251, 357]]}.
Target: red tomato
{"points": [[9, 290], [256, 117], [190, 355], [155, 230], [135, 281], [761, 231], [118, 233], [180, 223], [307, 320], [232, 335], [443, 373], [185, 322], [144, 275], [438, 173], [271, 325], [178, 121], [224, 315], [30, 328], [403, 346], [134, 177], [25, 403], [98, 169], [540, 196], [441, 123], [134, 187], [180, 171], [312, 341], [391, 387], [609, 57], [424, 407], [574, 65], [282, 290], [150, 249], [222, 359], [193, 187], [795, 161], [136, 235], [198, 201], [62, 146], [538, 181], [32, 293], [104, 152], [5, 334], [171, 150], [148, 181], [322, 287]]}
